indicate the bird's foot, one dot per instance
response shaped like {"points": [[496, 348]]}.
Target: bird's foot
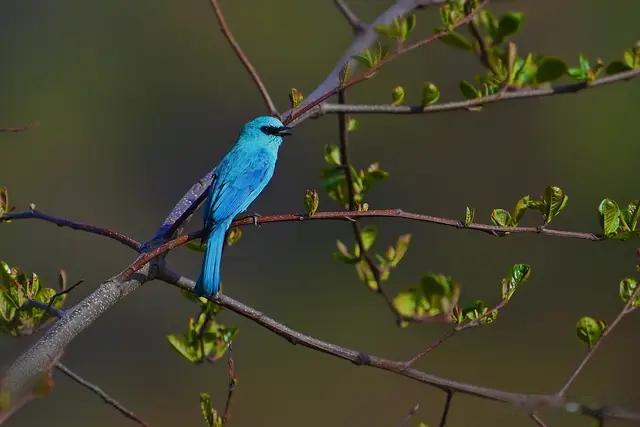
{"points": [[255, 217]]}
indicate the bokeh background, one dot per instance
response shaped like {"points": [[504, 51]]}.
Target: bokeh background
{"points": [[136, 100]]}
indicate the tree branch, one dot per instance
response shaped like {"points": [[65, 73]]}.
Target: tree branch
{"points": [[19, 129], [628, 308], [101, 393], [536, 419], [356, 24], [527, 402], [445, 411], [243, 58], [63, 222], [477, 102]]}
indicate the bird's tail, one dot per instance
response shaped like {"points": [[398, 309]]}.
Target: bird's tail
{"points": [[209, 282]]}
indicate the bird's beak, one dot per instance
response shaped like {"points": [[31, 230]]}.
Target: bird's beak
{"points": [[284, 131]]}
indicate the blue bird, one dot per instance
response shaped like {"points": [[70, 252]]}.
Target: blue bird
{"points": [[237, 180]]}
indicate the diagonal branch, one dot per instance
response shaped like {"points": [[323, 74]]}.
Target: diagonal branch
{"points": [[101, 393], [63, 222], [476, 102], [243, 58], [356, 24], [527, 402]]}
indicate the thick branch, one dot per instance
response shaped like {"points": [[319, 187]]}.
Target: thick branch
{"points": [[477, 102], [243, 58], [527, 402], [63, 222], [101, 393]]}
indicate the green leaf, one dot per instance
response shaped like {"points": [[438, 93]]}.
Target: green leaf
{"points": [[332, 155], [436, 295], [626, 289], [185, 348], [609, 217], [343, 253], [468, 90], [197, 246], [366, 275], [555, 200], [4, 201], [519, 274], [520, 208], [509, 24], [474, 310], [295, 97], [368, 234], [456, 40], [311, 201], [501, 218], [430, 94], [550, 69], [400, 249], [234, 235], [397, 95], [352, 124], [209, 414], [589, 330], [469, 213], [632, 214], [366, 58]]}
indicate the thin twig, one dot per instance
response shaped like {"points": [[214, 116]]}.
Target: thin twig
{"points": [[46, 307], [62, 292], [101, 393], [536, 419], [628, 308], [445, 411], [477, 102], [243, 58], [523, 401], [233, 382], [405, 420], [356, 24], [63, 222]]}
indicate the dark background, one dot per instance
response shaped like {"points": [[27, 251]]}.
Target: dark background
{"points": [[136, 100]]}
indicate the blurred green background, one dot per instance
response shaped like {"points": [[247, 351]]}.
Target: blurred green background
{"points": [[136, 100]]}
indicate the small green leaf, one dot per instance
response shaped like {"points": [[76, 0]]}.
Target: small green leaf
{"points": [[332, 155], [197, 246], [397, 95], [366, 275], [469, 213], [474, 310], [343, 253], [295, 97], [627, 288], [609, 217], [209, 414], [519, 274], [501, 218], [550, 69], [520, 208], [182, 346], [366, 58], [400, 249], [368, 234], [311, 201], [589, 330], [468, 90], [555, 200], [4, 201], [509, 24], [352, 124], [234, 235], [430, 94], [633, 214]]}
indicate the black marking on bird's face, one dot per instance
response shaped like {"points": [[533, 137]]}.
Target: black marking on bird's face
{"points": [[276, 130]]}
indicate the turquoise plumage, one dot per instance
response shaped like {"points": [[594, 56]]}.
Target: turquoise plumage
{"points": [[237, 180]]}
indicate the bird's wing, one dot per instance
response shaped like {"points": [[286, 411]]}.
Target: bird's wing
{"points": [[237, 185]]}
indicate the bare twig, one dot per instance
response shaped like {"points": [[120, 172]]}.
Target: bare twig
{"points": [[405, 420], [445, 411], [62, 292], [233, 382], [536, 419], [356, 24], [527, 402], [628, 308], [243, 58], [477, 102], [63, 222], [101, 393]]}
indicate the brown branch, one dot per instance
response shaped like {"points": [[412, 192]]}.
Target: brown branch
{"points": [[628, 308], [306, 110], [243, 58], [527, 402], [445, 411], [356, 24], [101, 393], [63, 222], [477, 102], [233, 382]]}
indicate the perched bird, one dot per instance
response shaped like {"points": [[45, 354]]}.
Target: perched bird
{"points": [[237, 180]]}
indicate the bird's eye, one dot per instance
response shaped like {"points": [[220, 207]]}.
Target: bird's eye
{"points": [[270, 130]]}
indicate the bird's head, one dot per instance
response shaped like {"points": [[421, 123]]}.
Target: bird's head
{"points": [[266, 128]]}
